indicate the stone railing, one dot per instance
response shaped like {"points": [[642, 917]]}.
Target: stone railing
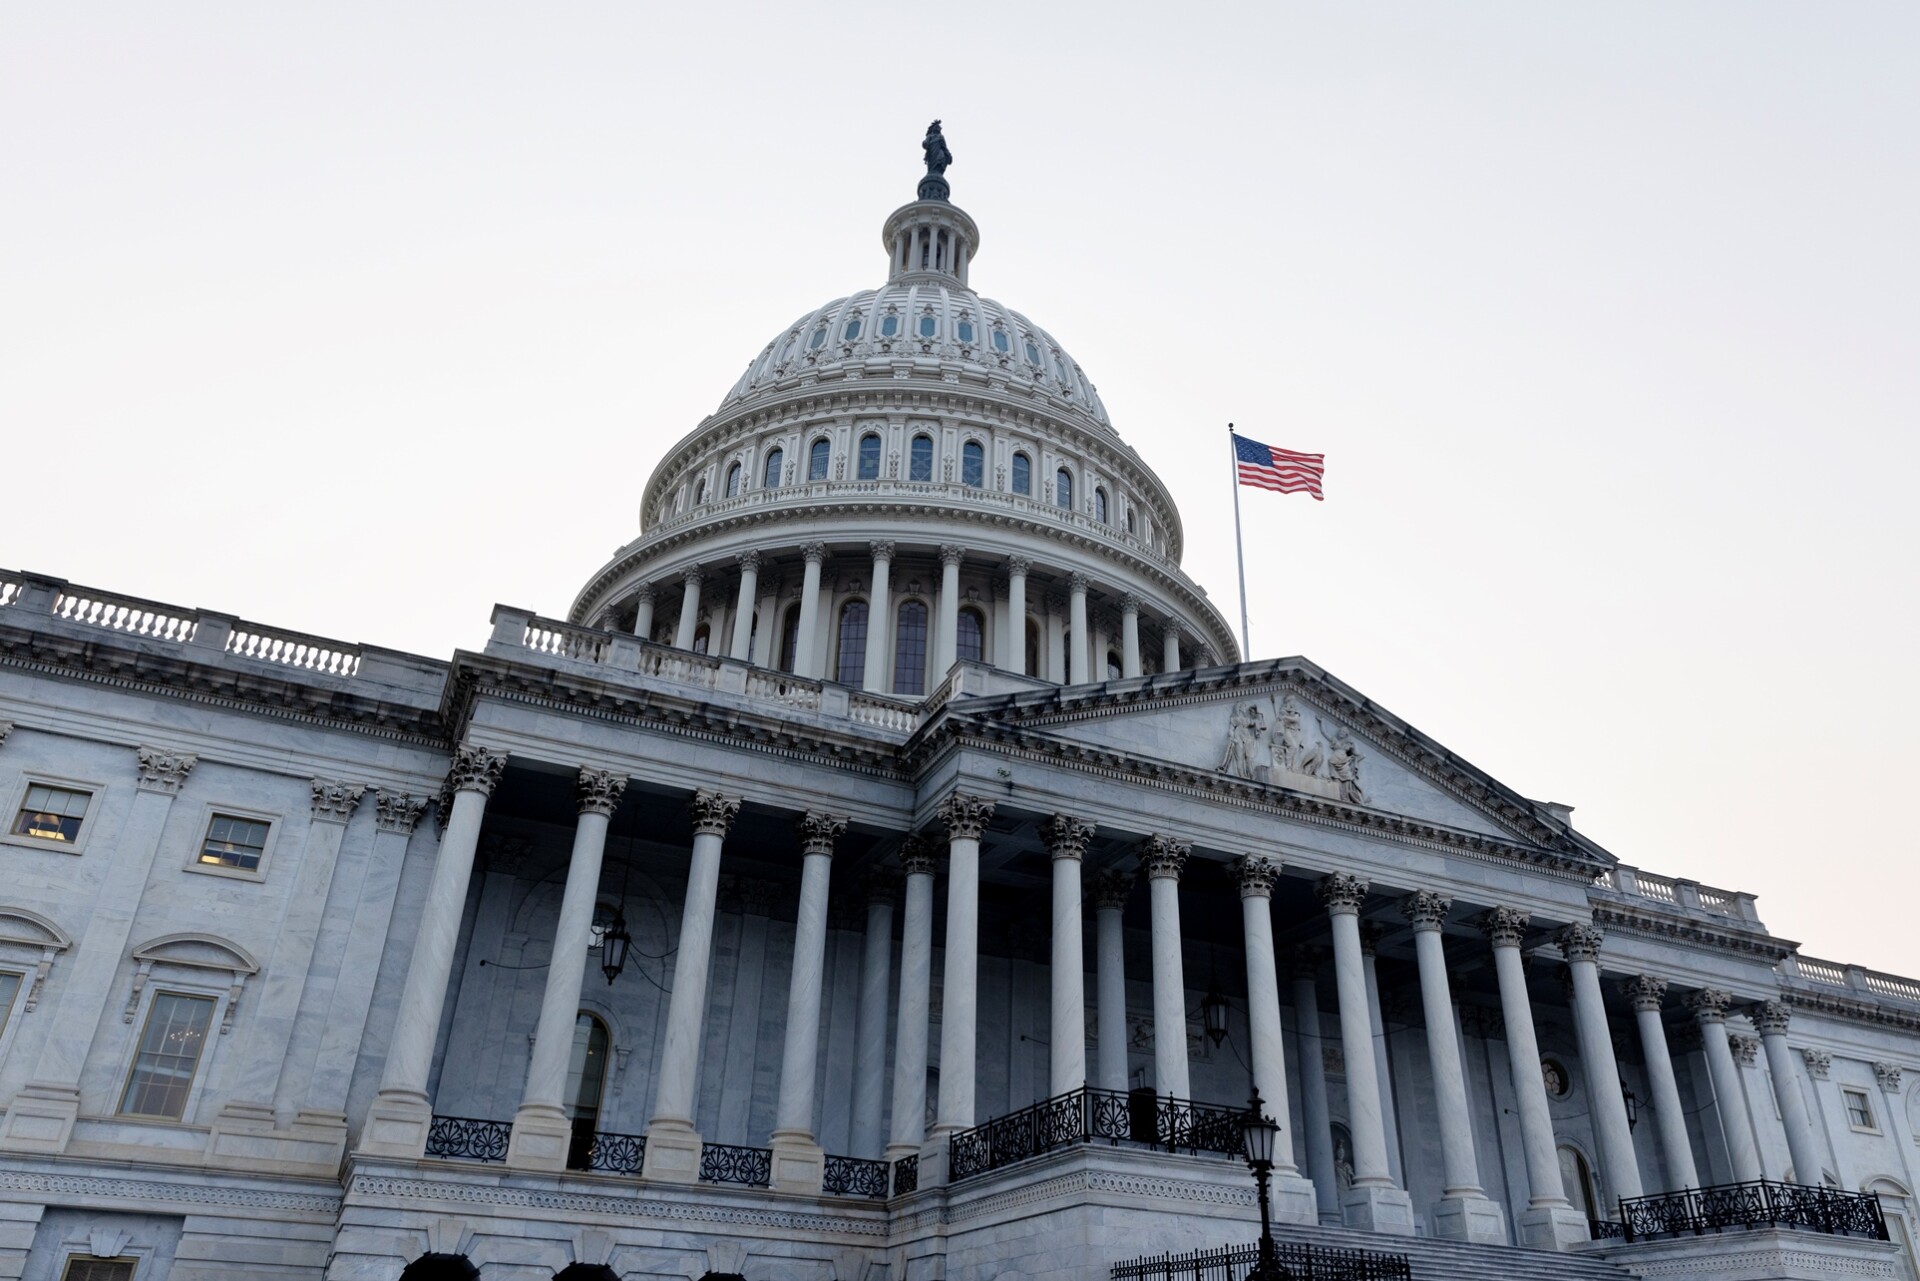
{"points": [[1673, 891], [114, 613], [291, 649], [1873, 985]]}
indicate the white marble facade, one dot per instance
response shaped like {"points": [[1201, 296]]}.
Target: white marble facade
{"points": [[922, 798]]}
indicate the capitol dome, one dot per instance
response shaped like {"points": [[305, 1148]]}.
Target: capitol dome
{"points": [[907, 477]]}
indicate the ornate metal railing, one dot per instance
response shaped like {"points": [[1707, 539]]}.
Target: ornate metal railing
{"points": [[466, 1138], [852, 1176], [1298, 1262], [1738, 1206], [1088, 1115], [723, 1163], [1606, 1229], [612, 1153], [906, 1175]]}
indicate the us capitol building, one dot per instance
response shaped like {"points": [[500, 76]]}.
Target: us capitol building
{"points": [[889, 870]]}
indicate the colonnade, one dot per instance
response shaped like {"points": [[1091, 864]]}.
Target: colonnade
{"points": [[1374, 1199]]}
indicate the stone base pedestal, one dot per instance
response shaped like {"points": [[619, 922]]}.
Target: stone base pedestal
{"points": [[1294, 1200], [933, 1162], [1556, 1227], [799, 1164], [1469, 1218], [673, 1152], [1379, 1209], [541, 1138], [40, 1119], [397, 1126], [244, 1137], [1760, 1254]]}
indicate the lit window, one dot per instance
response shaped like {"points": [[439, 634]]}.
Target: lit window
{"points": [[818, 340], [1859, 1110], [910, 649], [889, 326], [928, 326], [921, 462], [169, 1055], [1022, 474], [970, 636], [869, 458], [86, 1267], [733, 481], [232, 842], [973, 464], [1001, 343], [770, 475], [852, 667], [851, 332], [1063, 489], [964, 331], [817, 459], [1100, 505], [52, 813]]}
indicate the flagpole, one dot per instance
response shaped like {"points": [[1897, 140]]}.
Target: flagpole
{"points": [[1233, 475]]}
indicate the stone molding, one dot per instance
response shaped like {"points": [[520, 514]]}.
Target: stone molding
{"points": [[1644, 992], [1580, 941], [163, 771], [965, 815], [1342, 892], [598, 791], [1709, 1004], [1719, 933], [819, 831], [334, 800], [713, 812], [1109, 888], [919, 855], [1770, 1017], [1163, 857], [6, 728], [398, 811], [188, 1191], [1255, 874], [1819, 1063], [475, 769], [1426, 910], [1888, 1074], [1067, 836]]}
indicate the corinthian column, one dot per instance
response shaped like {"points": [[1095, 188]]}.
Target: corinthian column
{"points": [[965, 818], [949, 634], [1709, 1007], [673, 1145], [879, 620], [1372, 1202], [643, 612], [870, 1034], [1110, 890], [749, 601], [1067, 839], [1645, 994], [542, 1131], [1770, 1020], [1169, 646], [1292, 1195], [689, 610], [1082, 643], [1016, 640], [1464, 1211], [1315, 1115], [916, 984], [1619, 1167], [798, 1163], [397, 1122], [1164, 858], [1130, 636], [806, 656]]}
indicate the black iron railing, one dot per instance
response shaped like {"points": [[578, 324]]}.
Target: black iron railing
{"points": [[1736, 1206], [852, 1176], [612, 1153], [466, 1138], [723, 1163], [1606, 1229], [1298, 1262], [906, 1175], [1091, 1115]]}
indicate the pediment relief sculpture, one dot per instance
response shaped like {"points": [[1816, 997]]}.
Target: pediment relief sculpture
{"points": [[1268, 743]]}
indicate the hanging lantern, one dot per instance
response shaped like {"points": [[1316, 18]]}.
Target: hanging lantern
{"points": [[613, 947], [1213, 1015]]}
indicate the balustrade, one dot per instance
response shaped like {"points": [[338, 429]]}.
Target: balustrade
{"points": [[1298, 1261], [1741, 1206], [124, 614], [853, 1176], [906, 1175], [291, 649], [615, 1153], [724, 1163], [466, 1138], [1092, 1114]]}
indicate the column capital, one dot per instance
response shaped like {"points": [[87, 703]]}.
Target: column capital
{"points": [[1077, 582], [965, 815], [1342, 892], [1304, 960], [1130, 604], [598, 791], [1645, 992], [881, 549], [1505, 926], [475, 769], [1426, 910], [644, 592], [1819, 1063], [1888, 1074], [694, 577], [164, 771], [334, 799], [713, 812], [749, 561], [819, 831], [813, 553], [881, 885], [1709, 1004], [1067, 836], [398, 811], [919, 855], [1018, 566], [1770, 1018], [1109, 888], [1580, 941], [952, 553], [1256, 874], [1746, 1049], [1163, 857]]}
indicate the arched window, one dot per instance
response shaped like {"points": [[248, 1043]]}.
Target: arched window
{"points": [[818, 340], [1023, 475], [1577, 1177], [733, 481], [852, 331], [702, 638], [700, 492], [920, 461], [929, 326], [973, 464], [770, 476], [1001, 343], [1133, 526], [586, 1081], [1034, 647], [852, 667], [1033, 353], [1114, 667], [964, 331], [789, 637], [889, 326], [970, 638], [910, 649], [869, 457], [786, 352], [1100, 505], [1063, 489], [818, 456]]}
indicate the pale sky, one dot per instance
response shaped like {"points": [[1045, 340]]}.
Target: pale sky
{"points": [[357, 318]]}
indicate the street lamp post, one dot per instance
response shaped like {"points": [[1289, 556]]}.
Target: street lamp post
{"points": [[1259, 1131]]}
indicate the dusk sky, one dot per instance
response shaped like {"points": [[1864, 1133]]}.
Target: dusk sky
{"points": [[358, 318]]}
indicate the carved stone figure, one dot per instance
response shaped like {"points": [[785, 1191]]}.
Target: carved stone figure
{"points": [[1289, 738], [1343, 762], [1245, 732]]}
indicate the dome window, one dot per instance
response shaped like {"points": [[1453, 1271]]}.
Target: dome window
{"points": [[770, 475], [1033, 353], [818, 340], [929, 326], [789, 637], [910, 649], [920, 463], [1100, 505], [700, 493], [786, 352], [973, 465], [1133, 526], [852, 330], [969, 642], [851, 667], [1001, 343], [1063, 489], [1023, 475], [733, 481], [869, 457], [964, 331], [817, 458], [889, 326]]}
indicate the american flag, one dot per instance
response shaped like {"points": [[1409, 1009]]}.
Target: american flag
{"points": [[1281, 470]]}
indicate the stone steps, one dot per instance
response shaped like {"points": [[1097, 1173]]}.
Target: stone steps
{"points": [[1433, 1259]]}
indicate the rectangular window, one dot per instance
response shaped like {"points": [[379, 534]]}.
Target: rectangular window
{"points": [[169, 1055], [9, 991], [1859, 1111], [236, 843], [52, 813], [84, 1267]]}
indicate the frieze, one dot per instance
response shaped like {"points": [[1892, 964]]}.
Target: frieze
{"points": [[197, 1191]]}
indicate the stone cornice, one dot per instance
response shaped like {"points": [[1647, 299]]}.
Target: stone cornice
{"points": [[1718, 933], [119, 1191], [1853, 1008]]}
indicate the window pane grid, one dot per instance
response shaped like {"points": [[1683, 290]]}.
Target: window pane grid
{"points": [[234, 842], [1022, 474], [968, 639], [770, 477], [910, 650], [852, 667], [84, 1267], [869, 458], [817, 460], [52, 813], [921, 465], [973, 465], [169, 1055]]}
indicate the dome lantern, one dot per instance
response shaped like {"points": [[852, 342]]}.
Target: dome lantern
{"points": [[931, 239]]}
